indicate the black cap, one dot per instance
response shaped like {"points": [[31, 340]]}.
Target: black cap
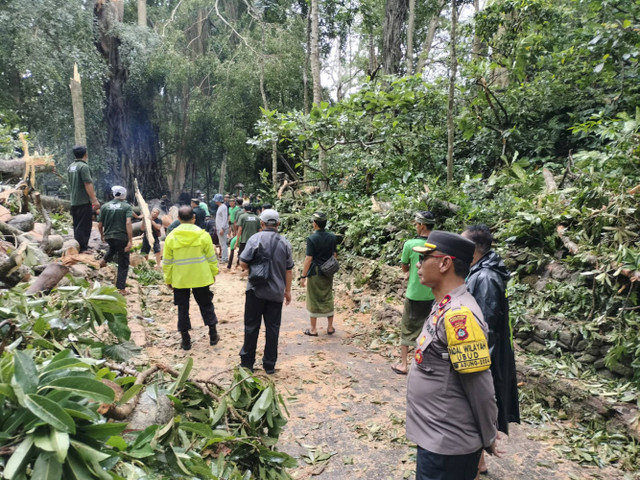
{"points": [[449, 243], [322, 217]]}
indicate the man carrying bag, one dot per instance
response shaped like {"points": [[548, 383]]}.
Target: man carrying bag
{"points": [[268, 257]]}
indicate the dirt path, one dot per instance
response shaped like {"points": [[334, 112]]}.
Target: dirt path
{"points": [[346, 405]]}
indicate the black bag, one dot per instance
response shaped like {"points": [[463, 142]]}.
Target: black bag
{"points": [[330, 267], [260, 269]]}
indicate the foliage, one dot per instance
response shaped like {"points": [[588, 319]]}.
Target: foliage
{"points": [[147, 274], [52, 414]]}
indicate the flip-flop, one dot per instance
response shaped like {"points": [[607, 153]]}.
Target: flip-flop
{"points": [[308, 332], [398, 371], [484, 472], [331, 332]]}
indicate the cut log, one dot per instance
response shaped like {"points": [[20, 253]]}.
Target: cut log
{"points": [[549, 181], [148, 229], [55, 203], [71, 257], [14, 168], [48, 279], [47, 230]]}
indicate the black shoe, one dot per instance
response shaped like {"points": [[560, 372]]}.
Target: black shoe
{"points": [[214, 338], [270, 371], [186, 341]]}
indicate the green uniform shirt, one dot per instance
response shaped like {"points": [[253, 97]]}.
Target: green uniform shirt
{"points": [[113, 216], [232, 214], [79, 174], [415, 290], [250, 224]]}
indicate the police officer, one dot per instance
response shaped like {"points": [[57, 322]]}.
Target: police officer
{"points": [[451, 406]]}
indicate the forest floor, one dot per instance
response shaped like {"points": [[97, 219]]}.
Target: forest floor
{"points": [[346, 406]]}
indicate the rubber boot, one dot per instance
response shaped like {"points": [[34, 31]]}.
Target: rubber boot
{"points": [[214, 338], [186, 341]]}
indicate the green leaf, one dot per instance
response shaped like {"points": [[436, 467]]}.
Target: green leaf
{"points": [[47, 467], [60, 442], [129, 394], [117, 442], [50, 412], [102, 431], [261, 406], [220, 411], [119, 326], [199, 428], [76, 469], [19, 460], [184, 375], [64, 363], [88, 453], [25, 375], [86, 387]]}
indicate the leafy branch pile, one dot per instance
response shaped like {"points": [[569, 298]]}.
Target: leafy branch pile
{"points": [[59, 400]]}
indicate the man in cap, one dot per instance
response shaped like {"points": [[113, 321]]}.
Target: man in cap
{"points": [[222, 225], [83, 197], [248, 225], [321, 246], [419, 298], [190, 265], [264, 300], [451, 406], [198, 212], [114, 225]]}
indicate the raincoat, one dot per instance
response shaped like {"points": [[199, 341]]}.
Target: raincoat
{"points": [[189, 258]]}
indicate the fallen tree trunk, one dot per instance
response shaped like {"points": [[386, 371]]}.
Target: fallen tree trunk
{"points": [[148, 229], [49, 278], [44, 245], [55, 203], [15, 168]]}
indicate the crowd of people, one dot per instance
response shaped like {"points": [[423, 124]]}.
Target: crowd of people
{"points": [[461, 384]]}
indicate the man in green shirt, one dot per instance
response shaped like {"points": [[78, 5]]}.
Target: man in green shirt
{"points": [[83, 197], [248, 225], [114, 224], [419, 299]]}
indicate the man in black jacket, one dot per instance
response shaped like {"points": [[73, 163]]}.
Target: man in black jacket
{"points": [[487, 282]]}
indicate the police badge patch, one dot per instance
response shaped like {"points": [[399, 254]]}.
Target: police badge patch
{"points": [[459, 324]]}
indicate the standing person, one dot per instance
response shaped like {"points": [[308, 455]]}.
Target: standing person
{"points": [[487, 282], [190, 265], [451, 406], [419, 298], [83, 197], [198, 212], [321, 245], [264, 301], [248, 225], [233, 210], [114, 225], [203, 205], [156, 227], [222, 226]]}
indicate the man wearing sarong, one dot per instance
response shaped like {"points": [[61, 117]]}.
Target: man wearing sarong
{"points": [[321, 245]]}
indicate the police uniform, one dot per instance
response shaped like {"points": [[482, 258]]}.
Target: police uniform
{"points": [[451, 407]]}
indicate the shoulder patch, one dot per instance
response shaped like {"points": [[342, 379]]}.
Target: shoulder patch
{"points": [[467, 343]]}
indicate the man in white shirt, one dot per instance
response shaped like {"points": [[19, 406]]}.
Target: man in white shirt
{"points": [[222, 224]]}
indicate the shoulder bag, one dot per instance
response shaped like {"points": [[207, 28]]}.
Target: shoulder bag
{"points": [[260, 269]]}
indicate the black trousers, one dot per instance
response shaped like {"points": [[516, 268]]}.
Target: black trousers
{"points": [[204, 299], [116, 247], [82, 223], [255, 309], [434, 466]]}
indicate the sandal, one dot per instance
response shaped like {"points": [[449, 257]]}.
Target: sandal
{"points": [[308, 332], [398, 371], [331, 332]]}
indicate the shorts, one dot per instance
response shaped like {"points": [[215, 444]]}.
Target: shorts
{"points": [[413, 317], [146, 248]]}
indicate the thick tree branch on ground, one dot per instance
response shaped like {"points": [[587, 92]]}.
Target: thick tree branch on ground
{"points": [[49, 278], [549, 181], [14, 168], [37, 200]]}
